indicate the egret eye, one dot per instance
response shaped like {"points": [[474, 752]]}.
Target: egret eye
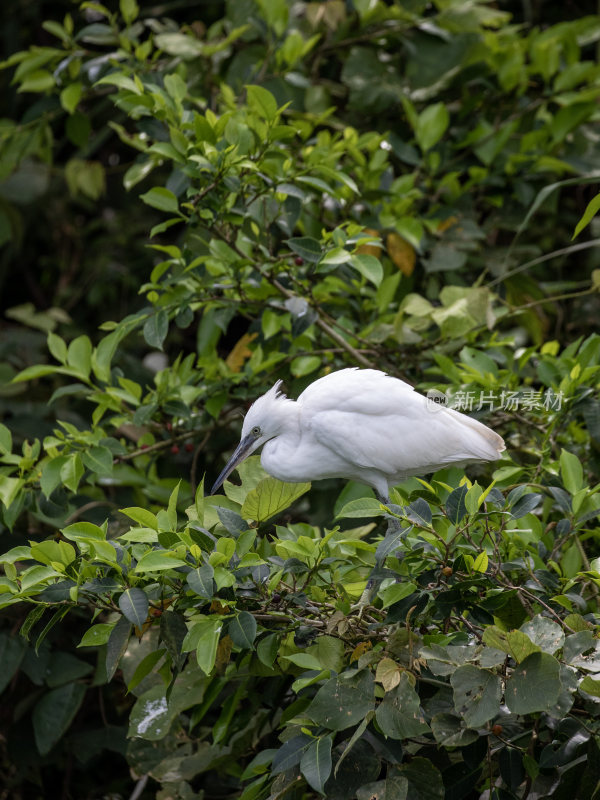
{"points": [[255, 431]]}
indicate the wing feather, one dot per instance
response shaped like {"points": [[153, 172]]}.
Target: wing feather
{"points": [[374, 421]]}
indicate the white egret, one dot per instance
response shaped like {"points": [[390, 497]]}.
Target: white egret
{"points": [[362, 425]]}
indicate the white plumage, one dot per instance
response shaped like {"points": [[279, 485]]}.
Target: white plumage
{"points": [[363, 425]]}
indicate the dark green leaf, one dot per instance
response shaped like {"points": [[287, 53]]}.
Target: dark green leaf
{"points": [[116, 646], [290, 753], [534, 685], [144, 668], [399, 715], [455, 504], [315, 764], [307, 248], [242, 629], [12, 650], [156, 328], [134, 605], [477, 694], [343, 701], [173, 631], [200, 581], [53, 714]]}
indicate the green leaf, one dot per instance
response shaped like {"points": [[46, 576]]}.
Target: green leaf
{"points": [[71, 472], [571, 472], [368, 266], [53, 714], [134, 605], [144, 518], [145, 667], [455, 504], [9, 489], [207, 639], [40, 80], [396, 592], [481, 562], [70, 96], [307, 248], [150, 718], [315, 763], [79, 355], [590, 212], [156, 328], [477, 694], [97, 635], [82, 531], [267, 649], [51, 474], [98, 459], [173, 631], [304, 365], [262, 102], [57, 347], [424, 779], [242, 629], [516, 643], [361, 507], [449, 730], [290, 753], [5, 439], [544, 633], [12, 650], [534, 685], [343, 701], [431, 126], [399, 715], [64, 668], [159, 560], [270, 497], [336, 256], [590, 686], [129, 9], [162, 199], [201, 581], [116, 646]]}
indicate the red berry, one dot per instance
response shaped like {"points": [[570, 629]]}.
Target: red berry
{"points": [[496, 730], [298, 261], [189, 447], [169, 426], [175, 449], [143, 447]]}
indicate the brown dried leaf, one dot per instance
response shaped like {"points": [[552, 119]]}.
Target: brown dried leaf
{"points": [[402, 253]]}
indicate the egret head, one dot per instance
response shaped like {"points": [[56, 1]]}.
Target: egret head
{"points": [[264, 420]]}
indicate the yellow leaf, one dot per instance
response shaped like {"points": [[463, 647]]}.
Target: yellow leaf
{"points": [[388, 674], [370, 249], [445, 224], [217, 607], [360, 650], [240, 353], [223, 653], [481, 562], [402, 253]]}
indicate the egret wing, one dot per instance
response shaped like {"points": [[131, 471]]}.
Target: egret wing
{"points": [[367, 391], [400, 433]]}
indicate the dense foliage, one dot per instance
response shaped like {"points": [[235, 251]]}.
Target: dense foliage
{"points": [[203, 199]]}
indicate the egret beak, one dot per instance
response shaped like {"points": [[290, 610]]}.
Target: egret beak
{"points": [[243, 450]]}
